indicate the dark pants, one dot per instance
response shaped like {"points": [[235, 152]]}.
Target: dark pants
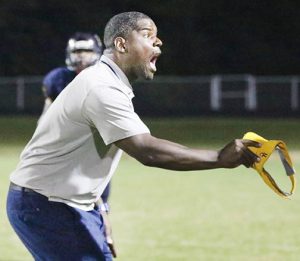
{"points": [[54, 231]]}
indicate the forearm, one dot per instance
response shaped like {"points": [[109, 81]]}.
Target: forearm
{"points": [[161, 153], [171, 156]]}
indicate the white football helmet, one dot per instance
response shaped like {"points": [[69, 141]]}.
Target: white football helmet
{"points": [[83, 50]]}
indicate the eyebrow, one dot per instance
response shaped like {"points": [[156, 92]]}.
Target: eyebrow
{"points": [[145, 28]]}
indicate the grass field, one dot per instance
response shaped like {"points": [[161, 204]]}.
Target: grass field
{"points": [[160, 215]]}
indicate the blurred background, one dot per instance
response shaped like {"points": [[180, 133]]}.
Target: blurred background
{"points": [[236, 57]]}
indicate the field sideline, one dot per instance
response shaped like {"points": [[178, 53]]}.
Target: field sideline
{"points": [[160, 215]]}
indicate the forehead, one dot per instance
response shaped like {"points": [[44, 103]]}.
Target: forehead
{"points": [[146, 24]]}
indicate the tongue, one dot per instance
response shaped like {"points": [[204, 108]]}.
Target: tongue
{"points": [[153, 67]]}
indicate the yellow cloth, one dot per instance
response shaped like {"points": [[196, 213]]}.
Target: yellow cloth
{"points": [[264, 152]]}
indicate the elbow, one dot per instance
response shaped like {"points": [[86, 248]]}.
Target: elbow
{"points": [[143, 148]]}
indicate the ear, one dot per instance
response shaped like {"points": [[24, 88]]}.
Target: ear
{"points": [[120, 44]]}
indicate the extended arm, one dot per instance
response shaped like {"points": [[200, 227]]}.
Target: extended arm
{"points": [[155, 152]]}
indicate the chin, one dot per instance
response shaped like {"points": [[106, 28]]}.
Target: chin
{"points": [[149, 75], [145, 74]]}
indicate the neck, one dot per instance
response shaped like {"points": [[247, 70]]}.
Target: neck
{"points": [[119, 60]]}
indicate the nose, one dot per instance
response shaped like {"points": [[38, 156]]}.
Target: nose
{"points": [[158, 42]]}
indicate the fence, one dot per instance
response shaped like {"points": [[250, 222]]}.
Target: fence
{"points": [[21, 94], [168, 95]]}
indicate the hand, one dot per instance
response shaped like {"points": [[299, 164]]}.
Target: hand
{"points": [[236, 153], [108, 234]]}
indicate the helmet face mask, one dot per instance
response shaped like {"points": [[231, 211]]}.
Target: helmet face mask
{"points": [[82, 50], [82, 59]]}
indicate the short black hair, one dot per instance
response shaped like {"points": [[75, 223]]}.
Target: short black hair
{"points": [[121, 25]]}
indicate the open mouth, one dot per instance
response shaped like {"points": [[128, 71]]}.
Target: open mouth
{"points": [[153, 62]]}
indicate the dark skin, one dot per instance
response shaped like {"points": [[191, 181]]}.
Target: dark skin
{"points": [[136, 56]]}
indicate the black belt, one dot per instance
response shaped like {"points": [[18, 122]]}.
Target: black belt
{"points": [[19, 188]]}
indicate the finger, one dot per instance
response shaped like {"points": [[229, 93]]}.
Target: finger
{"points": [[112, 250], [251, 143], [251, 154], [111, 246], [249, 158], [246, 160]]}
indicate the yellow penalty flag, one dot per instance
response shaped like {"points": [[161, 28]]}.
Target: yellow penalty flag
{"points": [[264, 152]]}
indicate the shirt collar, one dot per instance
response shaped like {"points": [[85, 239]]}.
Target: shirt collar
{"points": [[116, 69]]}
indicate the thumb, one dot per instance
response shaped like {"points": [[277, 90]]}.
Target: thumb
{"points": [[251, 143], [111, 246]]}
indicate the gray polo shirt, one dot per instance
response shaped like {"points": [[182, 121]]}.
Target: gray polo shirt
{"points": [[66, 159]]}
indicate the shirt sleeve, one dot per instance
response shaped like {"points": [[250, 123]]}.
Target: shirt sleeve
{"points": [[48, 81], [111, 112], [56, 80]]}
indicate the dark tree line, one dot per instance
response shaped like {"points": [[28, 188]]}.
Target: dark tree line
{"points": [[200, 37]]}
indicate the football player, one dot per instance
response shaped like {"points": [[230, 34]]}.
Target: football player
{"points": [[83, 50]]}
